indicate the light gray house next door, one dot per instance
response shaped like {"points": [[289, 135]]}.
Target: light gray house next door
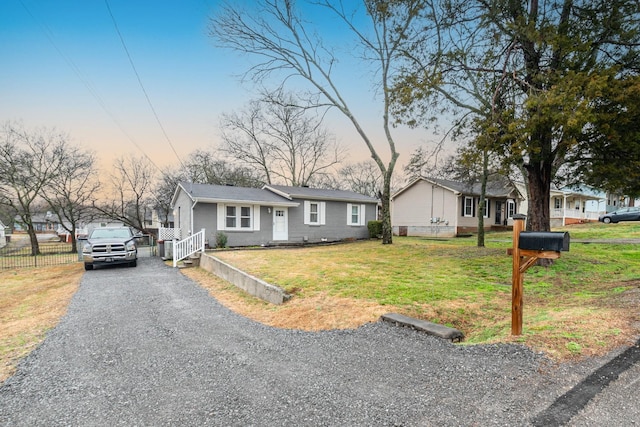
{"points": [[280, 224]]}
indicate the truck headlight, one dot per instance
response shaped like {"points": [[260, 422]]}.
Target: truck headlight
{"points": [[86, 248], [131, 246]]}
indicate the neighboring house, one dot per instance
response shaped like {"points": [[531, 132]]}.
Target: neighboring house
{"points": [[444, 208], [3, 235], [46, 222], [273, 214], [570, 206]]}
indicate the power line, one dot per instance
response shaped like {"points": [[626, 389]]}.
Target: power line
{"points": [[49, 34], [144, 91]]}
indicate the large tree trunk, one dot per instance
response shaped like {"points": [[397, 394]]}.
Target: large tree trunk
{"points": [[385, 199], [539, 185], [33, 237]]}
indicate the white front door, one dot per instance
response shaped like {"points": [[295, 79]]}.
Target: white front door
{"points": [[280, 224]]}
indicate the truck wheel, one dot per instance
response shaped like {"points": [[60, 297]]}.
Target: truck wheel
{"points": [[88, 267], [133, 263]]}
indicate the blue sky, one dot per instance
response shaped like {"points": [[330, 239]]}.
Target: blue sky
{"points": [[64, 66]]}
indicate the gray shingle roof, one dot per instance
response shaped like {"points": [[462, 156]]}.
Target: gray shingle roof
{"points": [[321, 194], [228, 193], [499, 188], [496, 188]]}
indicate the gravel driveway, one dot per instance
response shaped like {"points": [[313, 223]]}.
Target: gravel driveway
{"points": [[146, 346]]}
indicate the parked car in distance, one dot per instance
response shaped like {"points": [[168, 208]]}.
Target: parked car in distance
{"points": [[110, 245], [623, 214]]}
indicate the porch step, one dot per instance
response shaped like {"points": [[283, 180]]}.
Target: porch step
{"points": [[192, 261]]}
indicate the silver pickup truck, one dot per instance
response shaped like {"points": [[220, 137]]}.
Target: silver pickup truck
{"points": [[110, 245]]}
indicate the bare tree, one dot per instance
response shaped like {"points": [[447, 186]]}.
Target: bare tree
{"points": [[70, 193], [276, 135], [284, 42], [206, 167], [131, 183], [363, 178], [30, 160]]}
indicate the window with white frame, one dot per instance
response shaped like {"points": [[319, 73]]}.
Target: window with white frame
{"points": [[487, 208], [314, 212], [237, 217], [511, 208], [355, 214], [468, 207]]}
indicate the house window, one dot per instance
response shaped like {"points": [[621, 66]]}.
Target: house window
{"points": [[245, 217], [231, 217], [557, 203], [487, 208], [355, 214], [314, 212], [238, 217], [511, 208], [468, 207]]}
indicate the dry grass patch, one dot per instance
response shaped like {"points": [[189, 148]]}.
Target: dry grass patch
{"points": [[313, 313], [32, 301]]}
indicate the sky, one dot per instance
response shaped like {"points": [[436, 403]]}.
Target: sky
{"points": [[65, 66]]}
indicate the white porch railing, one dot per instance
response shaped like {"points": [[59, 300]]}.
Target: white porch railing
{"points": [[186, 247], [574, 213]]}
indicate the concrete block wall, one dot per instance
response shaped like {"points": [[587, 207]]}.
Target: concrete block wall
{"points": [[246, 282]]}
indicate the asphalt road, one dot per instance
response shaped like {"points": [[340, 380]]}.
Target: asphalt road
{"points": [[146, 346]]}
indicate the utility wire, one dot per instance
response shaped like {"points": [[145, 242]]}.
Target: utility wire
{"points": [[49, 34], [124, 45]]}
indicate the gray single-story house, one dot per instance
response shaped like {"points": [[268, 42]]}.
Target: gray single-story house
{"points": [[273, 214]]}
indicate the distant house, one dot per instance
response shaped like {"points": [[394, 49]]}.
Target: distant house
{"points": [[3, 235], [570, 206], [445, 208], [273, 214], [43, 222]]}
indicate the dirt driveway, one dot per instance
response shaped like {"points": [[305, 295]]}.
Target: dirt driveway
{"points": [[147, 346]]}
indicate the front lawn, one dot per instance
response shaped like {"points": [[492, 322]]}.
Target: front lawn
{"points": [[584, 304]]}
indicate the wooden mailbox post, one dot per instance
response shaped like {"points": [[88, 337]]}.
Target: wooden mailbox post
{"points": [[528, 247]]}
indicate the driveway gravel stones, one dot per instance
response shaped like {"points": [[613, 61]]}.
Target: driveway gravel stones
{"points": [[146, 346]]}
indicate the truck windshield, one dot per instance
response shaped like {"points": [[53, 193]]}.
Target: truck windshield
{"points": [[104, 233]]}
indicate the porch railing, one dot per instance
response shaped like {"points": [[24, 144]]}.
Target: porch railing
{"points": [[574, 213], [189, 246]]}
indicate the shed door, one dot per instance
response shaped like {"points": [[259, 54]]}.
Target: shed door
{"points": [[280, 224]]}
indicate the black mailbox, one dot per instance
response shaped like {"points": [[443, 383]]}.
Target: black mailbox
{"points": [[544, 241]]}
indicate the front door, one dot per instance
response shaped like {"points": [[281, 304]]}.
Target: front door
{"points": [[280, 224], [498, 212]]}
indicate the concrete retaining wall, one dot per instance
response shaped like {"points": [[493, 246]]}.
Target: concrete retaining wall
{"points": [[244, 281]]}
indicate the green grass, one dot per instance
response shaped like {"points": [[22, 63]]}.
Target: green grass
{"points": [[454, 282]]}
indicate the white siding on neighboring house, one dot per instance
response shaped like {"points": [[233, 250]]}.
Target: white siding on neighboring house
{"points": [[425, 209]]}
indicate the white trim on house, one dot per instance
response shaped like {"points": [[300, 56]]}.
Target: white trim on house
{"points": [[358, 215], [319, 212]]}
